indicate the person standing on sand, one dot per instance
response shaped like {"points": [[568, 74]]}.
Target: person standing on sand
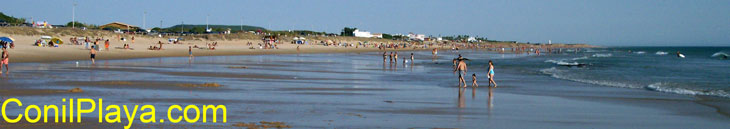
{"points": [[391, 57], [190, 51], [490, 74], [4, 60], [461, 69], [132, 39], [412, 58], [385, 56], [395, 58], [93, 55]]}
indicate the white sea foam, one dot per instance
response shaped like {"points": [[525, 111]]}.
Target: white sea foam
{"points": [[561, 62], [661, 53], [662, 87], [717, 54], [562, 74], [602, 55], [640, 52], [580, 58]]}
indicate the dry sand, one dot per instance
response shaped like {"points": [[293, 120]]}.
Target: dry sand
{"points": [[25, 51]]}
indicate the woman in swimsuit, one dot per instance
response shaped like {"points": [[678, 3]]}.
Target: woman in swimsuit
{"points": [[491, 74], [4, 60]]}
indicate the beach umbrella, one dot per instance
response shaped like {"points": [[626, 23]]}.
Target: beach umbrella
{"points": [[56, 40], [7, 39]]}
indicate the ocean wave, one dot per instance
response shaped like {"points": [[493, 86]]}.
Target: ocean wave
{"points": [[561, 74], [718, 54], [580, 58], [662, 87], [640, 52], [661, 53], [602, 55], [561, 62], [593, 50]]}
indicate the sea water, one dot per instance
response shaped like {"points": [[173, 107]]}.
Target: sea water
{"points": [[704, 71]]}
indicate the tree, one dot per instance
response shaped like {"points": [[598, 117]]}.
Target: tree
{"points": [[156, 29], [387, 36], [11, 19], [347, 31], [78, 24], [218, 30], [198, 30]]}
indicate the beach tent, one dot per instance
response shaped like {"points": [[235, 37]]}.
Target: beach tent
{"points": [[56, 40]]}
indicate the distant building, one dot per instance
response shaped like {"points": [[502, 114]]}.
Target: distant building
{"points": [[377, 35], [413, 36], [119, 25], [471, 39], [364, 34]]}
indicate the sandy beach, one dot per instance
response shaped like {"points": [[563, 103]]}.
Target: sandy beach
{"points": [[353, 90], [25, 51], [336, 87]]}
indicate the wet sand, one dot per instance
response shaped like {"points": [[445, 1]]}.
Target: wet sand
{"points": [[354, 91]]}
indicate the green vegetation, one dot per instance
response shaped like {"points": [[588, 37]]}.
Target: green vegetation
{"points": [[347, 31], [10, 19], [77, 24], [387, 36]]}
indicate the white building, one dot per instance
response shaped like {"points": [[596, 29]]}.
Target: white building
{"points": [[364, 34], [377, 35], [416, 36], [471, 39]]}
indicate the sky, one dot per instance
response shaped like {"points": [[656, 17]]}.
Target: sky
{"points": [[596, 22]]}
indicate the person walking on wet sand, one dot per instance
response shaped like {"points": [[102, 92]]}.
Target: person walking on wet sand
{"points": [[490, 74], [461, 70], [4, 60], [412, 58], [391, 57], [93, 55], [385, 56], [395, 57]]}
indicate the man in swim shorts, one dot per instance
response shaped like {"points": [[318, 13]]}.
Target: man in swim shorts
{"points": [[93, 55], [461, 70]]}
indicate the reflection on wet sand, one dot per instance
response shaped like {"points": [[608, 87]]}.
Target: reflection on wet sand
{"points": [[461, 97], [490, 103]]}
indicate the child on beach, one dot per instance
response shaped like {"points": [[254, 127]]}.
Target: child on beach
{"points": [[4, 60], [474, 80], [106, 45]]}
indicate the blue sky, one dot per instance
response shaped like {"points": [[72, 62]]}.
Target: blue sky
{"points": [[598, 22]]}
